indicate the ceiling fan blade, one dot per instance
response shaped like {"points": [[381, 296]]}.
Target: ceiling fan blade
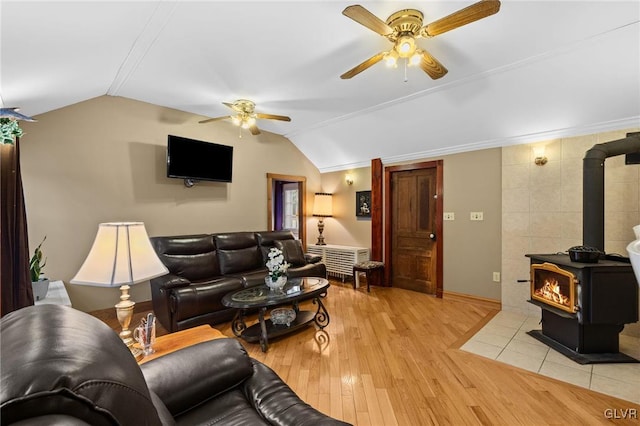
{"points": [[273, 117], [363, 17], [363, 66], [209, 120], [254, 130], [13, 113], [230, 105], [469, 14], [431, 66]]}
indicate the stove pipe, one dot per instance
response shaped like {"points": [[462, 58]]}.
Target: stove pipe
{"points": [[593, 186]]}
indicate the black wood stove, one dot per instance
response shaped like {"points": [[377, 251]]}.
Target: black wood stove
{"points": [[584, 306]]}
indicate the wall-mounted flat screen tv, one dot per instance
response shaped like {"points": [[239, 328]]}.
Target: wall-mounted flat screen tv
{"points": [[198, 160]]}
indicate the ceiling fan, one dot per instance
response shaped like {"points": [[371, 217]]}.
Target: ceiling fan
{"points": [[403, 27], [245, 116]]}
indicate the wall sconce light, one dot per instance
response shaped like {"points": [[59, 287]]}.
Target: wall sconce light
{"points": [[540, 159], [349, 179]]}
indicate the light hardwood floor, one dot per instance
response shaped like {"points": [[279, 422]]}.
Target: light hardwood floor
{"points": [[392, 357]]}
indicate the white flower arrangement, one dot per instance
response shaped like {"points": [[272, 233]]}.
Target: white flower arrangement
{"points": [[276, 264]]}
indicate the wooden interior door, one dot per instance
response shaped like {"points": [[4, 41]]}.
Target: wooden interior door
{"points": [[414, 229]]}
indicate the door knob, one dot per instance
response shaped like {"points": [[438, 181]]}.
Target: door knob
{"points": [[432, 236]]}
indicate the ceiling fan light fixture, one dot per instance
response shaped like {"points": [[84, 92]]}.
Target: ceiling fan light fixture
{"points": [[415, 58], [403, 27], [406, 46], [245, 121], [391, 58], [245, 115]]}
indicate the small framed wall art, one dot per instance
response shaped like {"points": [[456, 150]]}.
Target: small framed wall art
{"points": [[363, 203]]}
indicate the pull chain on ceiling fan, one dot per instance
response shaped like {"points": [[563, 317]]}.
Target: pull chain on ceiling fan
{"points": [[245, 116], [403, 27]]}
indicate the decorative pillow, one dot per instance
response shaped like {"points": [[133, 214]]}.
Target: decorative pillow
{"points": [[292, 251]]}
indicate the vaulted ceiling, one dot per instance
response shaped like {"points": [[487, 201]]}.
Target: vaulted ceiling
{"points": [[535, 70]]}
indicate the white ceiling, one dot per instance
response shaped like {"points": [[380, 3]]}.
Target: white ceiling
{"points": [[535, 70]]}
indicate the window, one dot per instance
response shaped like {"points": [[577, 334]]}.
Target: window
{"points": [[290, 208]]}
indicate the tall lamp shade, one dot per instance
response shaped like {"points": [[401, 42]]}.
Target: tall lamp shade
{"points": [[121, 256], [322, 207]]}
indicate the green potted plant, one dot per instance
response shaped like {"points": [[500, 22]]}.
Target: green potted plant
{"points": [[9, 130], [39, 283]]}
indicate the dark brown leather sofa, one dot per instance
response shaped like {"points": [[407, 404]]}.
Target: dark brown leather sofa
{"points": [[205, 267], [61, 366]]}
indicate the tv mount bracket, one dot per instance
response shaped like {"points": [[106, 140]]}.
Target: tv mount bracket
{"points": [[190, 182]]}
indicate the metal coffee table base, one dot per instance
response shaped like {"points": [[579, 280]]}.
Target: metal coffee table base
{"points": [[264, 330]]}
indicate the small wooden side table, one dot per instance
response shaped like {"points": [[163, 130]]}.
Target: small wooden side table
{"points": [[181, 339]]}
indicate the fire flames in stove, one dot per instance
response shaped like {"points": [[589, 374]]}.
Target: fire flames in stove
{"points": [[552, 292], [554, 286]]}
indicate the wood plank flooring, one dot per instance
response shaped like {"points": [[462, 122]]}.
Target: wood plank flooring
{"points": [[391, 357]]}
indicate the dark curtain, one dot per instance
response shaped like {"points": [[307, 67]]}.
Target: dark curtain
{"points": [[15, 281], [277, 206]]}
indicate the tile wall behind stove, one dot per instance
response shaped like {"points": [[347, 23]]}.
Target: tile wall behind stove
{"points": [[542, 208]]}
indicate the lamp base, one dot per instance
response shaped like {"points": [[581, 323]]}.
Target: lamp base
{"points": [[124, 312], [320, 236]]}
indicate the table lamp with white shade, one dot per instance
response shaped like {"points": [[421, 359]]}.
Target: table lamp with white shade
{"points": [[121, 256], [322, 207]]}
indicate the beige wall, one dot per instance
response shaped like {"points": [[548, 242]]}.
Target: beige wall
{"points": [[344, 228], [472, 249], [542, 207], [471, 183], [104, 160]]}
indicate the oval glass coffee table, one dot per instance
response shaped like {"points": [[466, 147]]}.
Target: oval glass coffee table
{"points": [[263, 298]]}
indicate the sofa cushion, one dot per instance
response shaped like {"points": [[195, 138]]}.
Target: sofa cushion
{"points": [[237, 252], [194, 267], [267, 239], [202, 298], [292, 251], [189, 256], [252, 278]]}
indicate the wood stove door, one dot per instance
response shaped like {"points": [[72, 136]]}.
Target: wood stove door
{"points": [[413, 250]]}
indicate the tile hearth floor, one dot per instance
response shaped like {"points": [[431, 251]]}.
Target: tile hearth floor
{"points": [[504, 339]]}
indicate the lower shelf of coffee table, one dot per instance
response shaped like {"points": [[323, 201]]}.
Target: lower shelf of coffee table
{"points": [[252, 333]]}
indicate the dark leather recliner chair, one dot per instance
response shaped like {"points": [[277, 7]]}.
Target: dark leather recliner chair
{"points": [[205, 267], [64, 367]]}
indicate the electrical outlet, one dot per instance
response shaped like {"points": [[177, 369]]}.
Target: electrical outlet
{"points": [[476, 216], [496, 277], [449, 216]]}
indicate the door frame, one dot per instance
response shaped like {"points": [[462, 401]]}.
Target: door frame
{"points": [[272, 178], [388, 171]]}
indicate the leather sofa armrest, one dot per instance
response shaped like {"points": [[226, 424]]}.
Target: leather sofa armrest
{"points": [[186, 378], [161, 290], [312, 258], [277, 402], [170, 281]]}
